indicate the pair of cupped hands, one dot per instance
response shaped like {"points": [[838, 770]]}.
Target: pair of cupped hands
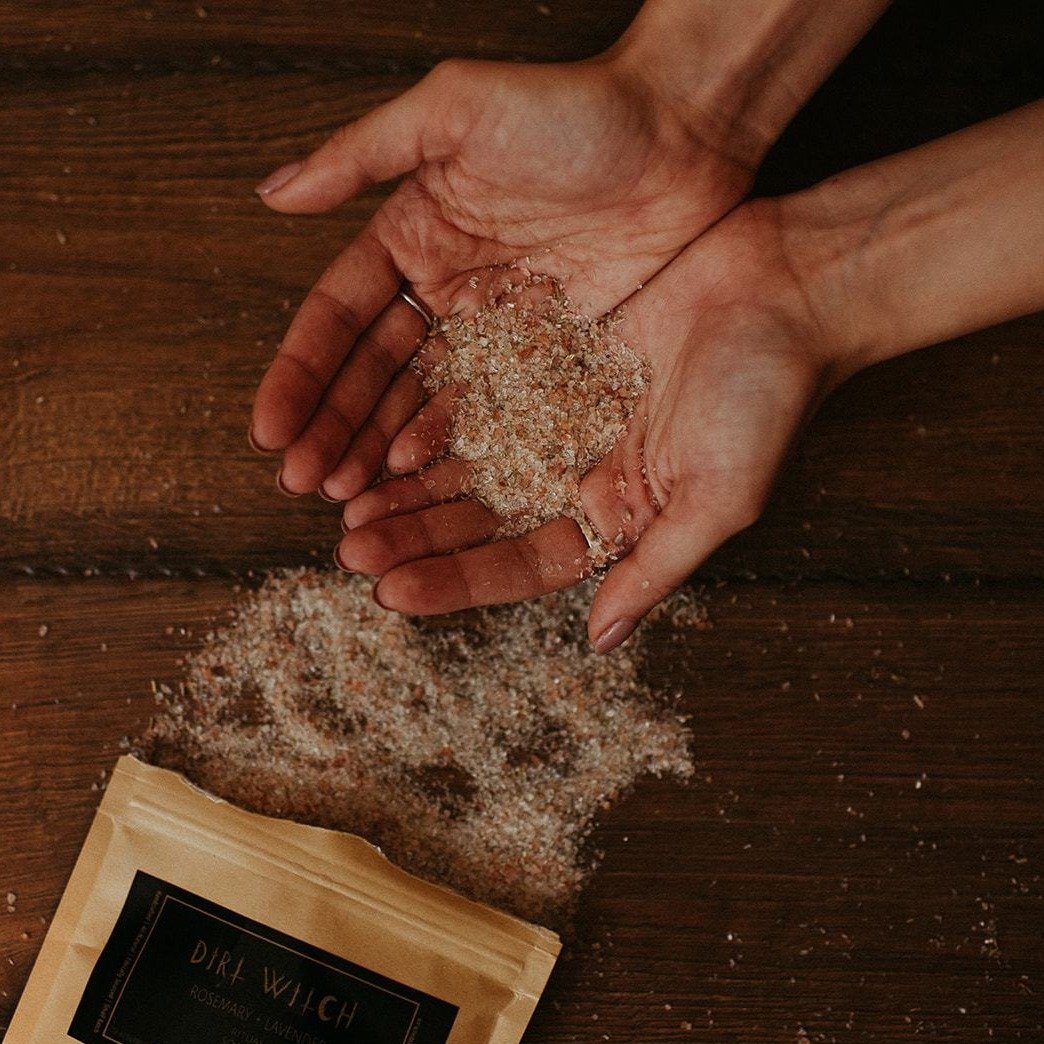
{"points": [[634, 202]]}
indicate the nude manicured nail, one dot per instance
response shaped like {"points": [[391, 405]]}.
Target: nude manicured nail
{"points": [[345, 528], [338, 561], [281, 486], [254, 444], [279, 179], [615, 634], [326, 496]]}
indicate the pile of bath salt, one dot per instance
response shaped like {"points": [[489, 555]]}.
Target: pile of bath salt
{"points": [[475, 750], [544, 392]]}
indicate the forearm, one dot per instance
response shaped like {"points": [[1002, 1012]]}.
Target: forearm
{"points": [[929, 244], [742, 68]]}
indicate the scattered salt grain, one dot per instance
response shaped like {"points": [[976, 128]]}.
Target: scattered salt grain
{"points": [[476, 750], [542, 394]]}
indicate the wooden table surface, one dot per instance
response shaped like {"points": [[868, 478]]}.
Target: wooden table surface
{"points": [[861, 856]]}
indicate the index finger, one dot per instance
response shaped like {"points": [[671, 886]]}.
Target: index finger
{"points": [[348, 296], [545, 560]]}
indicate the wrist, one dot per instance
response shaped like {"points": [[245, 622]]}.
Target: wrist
{"points": [[737, 73], [926, 245], [686, 59], [822, 236]]}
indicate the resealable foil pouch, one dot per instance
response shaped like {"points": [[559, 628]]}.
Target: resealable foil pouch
{"points": [[190, 920]]}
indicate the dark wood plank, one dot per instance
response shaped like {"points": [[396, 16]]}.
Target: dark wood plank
{"points": [[351, 35], [75, 665], [147, 345], [141, 298], [125, 402], [921, 72], [859, 859], [807, 888]]}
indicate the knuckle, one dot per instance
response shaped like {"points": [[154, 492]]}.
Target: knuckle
{"points": [[655, 590], [454, 95], [342, 414], [382, 362], [529, 565], [449, 72], [725, 511], [334, 305], [743, 513], [376, 549], [342, 136], [404, 589]]}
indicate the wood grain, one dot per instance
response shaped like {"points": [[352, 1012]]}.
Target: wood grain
{"points": [[850, 860], [142, 301], [860, 858], [126, 415], [349, 35]]}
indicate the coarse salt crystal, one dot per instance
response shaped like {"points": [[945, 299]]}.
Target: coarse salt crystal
{"points": [[544, 393]]}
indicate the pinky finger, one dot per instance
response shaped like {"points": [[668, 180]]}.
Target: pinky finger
{"points": [[548, 559], [398, 496], [676, 543], [425, 437], [364, 458]]}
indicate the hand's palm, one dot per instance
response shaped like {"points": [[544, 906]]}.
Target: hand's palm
{"points": [[570, 166], [732, 380]]}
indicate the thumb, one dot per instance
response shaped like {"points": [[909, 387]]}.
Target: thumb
{"points": [[679, 539], [422, 124]]}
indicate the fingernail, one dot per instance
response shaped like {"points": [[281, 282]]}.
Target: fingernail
{"points": [[345, 528], [615, 634], [326, 496], [279, 179], [282, 487], [254, 444], [338, 561], [375, 594]]}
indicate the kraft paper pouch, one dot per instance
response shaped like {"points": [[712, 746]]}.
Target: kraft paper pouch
{"points": [[190, 920]]}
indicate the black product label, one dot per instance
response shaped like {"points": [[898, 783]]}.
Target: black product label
{"points": [[179, 969]]}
